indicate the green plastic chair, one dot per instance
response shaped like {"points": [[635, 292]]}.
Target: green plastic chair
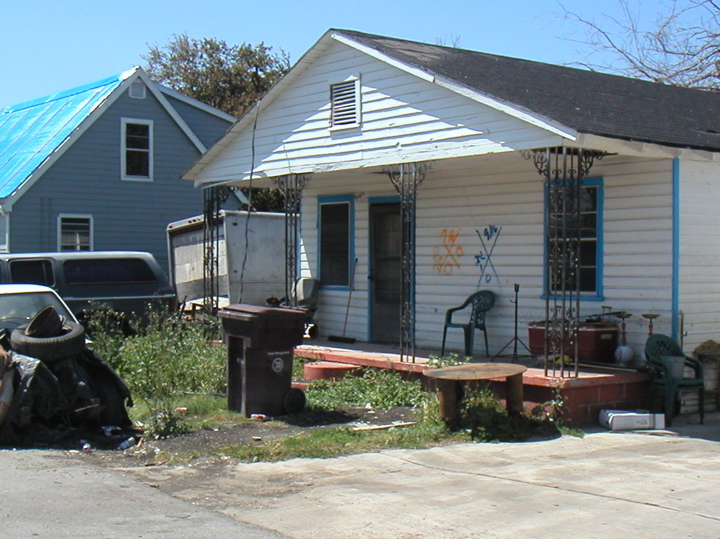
{"points": [[658, 346], [480, 302]]}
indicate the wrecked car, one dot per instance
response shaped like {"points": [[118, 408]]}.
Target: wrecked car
{"points": [[54, 390]]}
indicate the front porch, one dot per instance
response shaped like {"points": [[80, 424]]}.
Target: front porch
{"points": [[593, 390]]}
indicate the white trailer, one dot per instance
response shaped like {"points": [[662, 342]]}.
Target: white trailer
{"points": [[250, 252]]}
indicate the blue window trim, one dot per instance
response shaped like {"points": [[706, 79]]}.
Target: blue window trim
{"points": [[599, 294], [338, 199]]}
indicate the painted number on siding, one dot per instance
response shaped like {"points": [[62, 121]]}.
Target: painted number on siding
{"points": [[488, 239]]}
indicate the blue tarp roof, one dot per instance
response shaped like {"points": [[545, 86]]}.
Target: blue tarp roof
{"points": [[30, 132]]}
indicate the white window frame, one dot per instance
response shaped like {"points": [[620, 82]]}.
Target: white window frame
{"points": [[91, 231], [353, 93], [123, 150], [4, 232]]}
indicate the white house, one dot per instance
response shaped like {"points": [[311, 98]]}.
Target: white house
{"points": [[463, 135]]}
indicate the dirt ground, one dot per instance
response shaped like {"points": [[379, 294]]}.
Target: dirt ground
{"points": [[149, 452]]}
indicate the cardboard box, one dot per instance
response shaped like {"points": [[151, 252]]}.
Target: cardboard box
{"points": [[624, 420]]}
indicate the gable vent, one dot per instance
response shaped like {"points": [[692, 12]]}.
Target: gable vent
{"points": [[345, 104], [137, 90]]}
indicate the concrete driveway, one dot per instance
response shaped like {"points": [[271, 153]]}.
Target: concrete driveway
{"points": [[650, 484], [57, 494]]}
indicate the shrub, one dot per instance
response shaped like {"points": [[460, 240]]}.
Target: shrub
{"points": [[165, 359], [486, 420]]}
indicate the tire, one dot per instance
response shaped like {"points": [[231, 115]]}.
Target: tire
{"points": [[294, 401], [69, 344]]}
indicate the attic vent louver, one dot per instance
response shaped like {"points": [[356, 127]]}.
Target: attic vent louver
{"points": [[345, 104], [137, 90]]}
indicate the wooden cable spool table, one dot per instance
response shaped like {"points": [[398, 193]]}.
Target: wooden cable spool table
{"points": [[450, 378]]}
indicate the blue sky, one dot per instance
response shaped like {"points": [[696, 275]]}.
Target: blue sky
{"points": [[51, 45]]}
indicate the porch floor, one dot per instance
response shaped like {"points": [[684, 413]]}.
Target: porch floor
{"points": [[595, 388]]}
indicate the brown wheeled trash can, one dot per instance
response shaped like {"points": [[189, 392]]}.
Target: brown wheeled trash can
{"points": [[261, 341]]}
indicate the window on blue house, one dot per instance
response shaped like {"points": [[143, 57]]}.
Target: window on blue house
{"points": [[75, 233], [564, 227], [335, 240], [4, 232], [137, 150]]}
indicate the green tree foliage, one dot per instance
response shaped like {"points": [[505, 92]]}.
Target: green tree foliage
{"points": [[264, 198], [228, 77]]}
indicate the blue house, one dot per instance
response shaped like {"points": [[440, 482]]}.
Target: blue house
{"points": [[98, 167]]}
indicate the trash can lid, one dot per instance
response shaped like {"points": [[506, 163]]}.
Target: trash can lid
{"points": [[247, 311]]}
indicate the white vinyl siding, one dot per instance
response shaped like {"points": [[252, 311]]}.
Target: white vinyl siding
{"points": [[461, 198], [403, 119], [699, 230]]}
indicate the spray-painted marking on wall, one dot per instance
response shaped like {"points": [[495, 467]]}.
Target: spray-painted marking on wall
{"points": [[446, 257], [488, 239]]}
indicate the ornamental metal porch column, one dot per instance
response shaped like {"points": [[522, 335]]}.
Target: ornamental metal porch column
{"points": [[291, 186], [563, 170], [407, 178], [213, 199]]}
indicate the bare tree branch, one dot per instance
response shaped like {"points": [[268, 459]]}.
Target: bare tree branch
{"points": [[681, 47]]}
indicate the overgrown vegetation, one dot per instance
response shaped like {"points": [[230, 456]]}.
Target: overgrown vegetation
{"points": [[486, 420], [375, 388], [165, 359], [178, 380]]}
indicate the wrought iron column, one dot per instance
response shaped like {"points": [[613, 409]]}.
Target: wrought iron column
{"points": [[407, 178], [213, 199], [291, 186], [563, 170]]}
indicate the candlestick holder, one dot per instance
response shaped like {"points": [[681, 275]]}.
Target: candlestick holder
{"points": [[623, 353], [650, 317], [623, 316]]}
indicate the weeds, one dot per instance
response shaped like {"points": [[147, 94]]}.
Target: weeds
{"points": [[484, 418], [374, 388], [449, 360], [176, 376], [165, 359]]}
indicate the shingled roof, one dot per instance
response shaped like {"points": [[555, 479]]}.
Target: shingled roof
{"points": [[590, 102]]}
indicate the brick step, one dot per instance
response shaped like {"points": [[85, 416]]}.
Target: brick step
{"points": [[325, 370]]}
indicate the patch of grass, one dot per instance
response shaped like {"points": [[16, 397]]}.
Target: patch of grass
{"points": [[376, 388], [298, 367], [337, 441]]}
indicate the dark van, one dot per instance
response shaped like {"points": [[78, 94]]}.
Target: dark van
{"points": [[125, 281]]}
